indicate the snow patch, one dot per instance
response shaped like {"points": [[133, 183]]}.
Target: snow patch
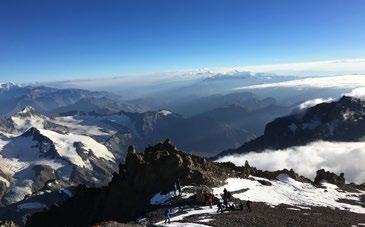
{"points": [[183, 224], [165, 112], [190, 212], [76, 126], [160, 198], [30, 206], [7, 183]]}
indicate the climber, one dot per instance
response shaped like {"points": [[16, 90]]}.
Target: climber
{"points": [[248, 205], [241, 206], [225, 197], [220, 207], [167, 215], [210, 200]]}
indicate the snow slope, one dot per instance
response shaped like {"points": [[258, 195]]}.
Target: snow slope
{"points": [[286, 190], [65, 147], [76, 126], [19, 155]]}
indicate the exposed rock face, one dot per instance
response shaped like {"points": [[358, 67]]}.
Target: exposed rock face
{"points": [[329, 177], [46, 146], [342, 120]]}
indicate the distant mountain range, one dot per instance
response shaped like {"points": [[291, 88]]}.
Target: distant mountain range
{"points": [[14, 98]]}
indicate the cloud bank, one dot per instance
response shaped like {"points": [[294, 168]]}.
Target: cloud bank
{"points": [[316, 68], [346, 81], [346, 157]]}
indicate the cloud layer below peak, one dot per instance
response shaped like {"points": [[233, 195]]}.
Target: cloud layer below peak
{"points": [[338, 157], [342, 82]]}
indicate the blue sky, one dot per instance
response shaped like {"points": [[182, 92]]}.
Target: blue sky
{"points": [[58, 40]]}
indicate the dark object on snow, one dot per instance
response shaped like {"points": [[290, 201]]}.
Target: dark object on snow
{"points": [[226, 195], [220, 207], [210, 200], [241, 206], [167, 215]]}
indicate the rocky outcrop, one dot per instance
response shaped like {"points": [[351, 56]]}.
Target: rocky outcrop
{"points": [[274, 175], [128, 194], [332, 178]]}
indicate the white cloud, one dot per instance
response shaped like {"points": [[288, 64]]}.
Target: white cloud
{"points": [[346, 81], [346, 157], [316, 68], [357, 92], [313, 102]]}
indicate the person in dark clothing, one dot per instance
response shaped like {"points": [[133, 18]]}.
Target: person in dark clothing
{"points": [[167, 215], [220, 207], [225, 198], [225, 192], [178, 186], [248, 205], [241, 206]]}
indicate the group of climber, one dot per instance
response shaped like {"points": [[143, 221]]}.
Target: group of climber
{"points": [[222, 204], [177, 192], [225, 204]]}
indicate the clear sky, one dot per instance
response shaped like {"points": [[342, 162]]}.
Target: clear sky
{"points": [[57, 40]]}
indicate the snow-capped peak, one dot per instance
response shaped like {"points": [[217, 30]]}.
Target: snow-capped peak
{"points": [[25, 119], [27, 109], [7, 86], [164, 112]]}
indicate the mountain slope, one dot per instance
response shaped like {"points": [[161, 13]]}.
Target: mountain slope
{"points": [[342, 120], [34, 150]]}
